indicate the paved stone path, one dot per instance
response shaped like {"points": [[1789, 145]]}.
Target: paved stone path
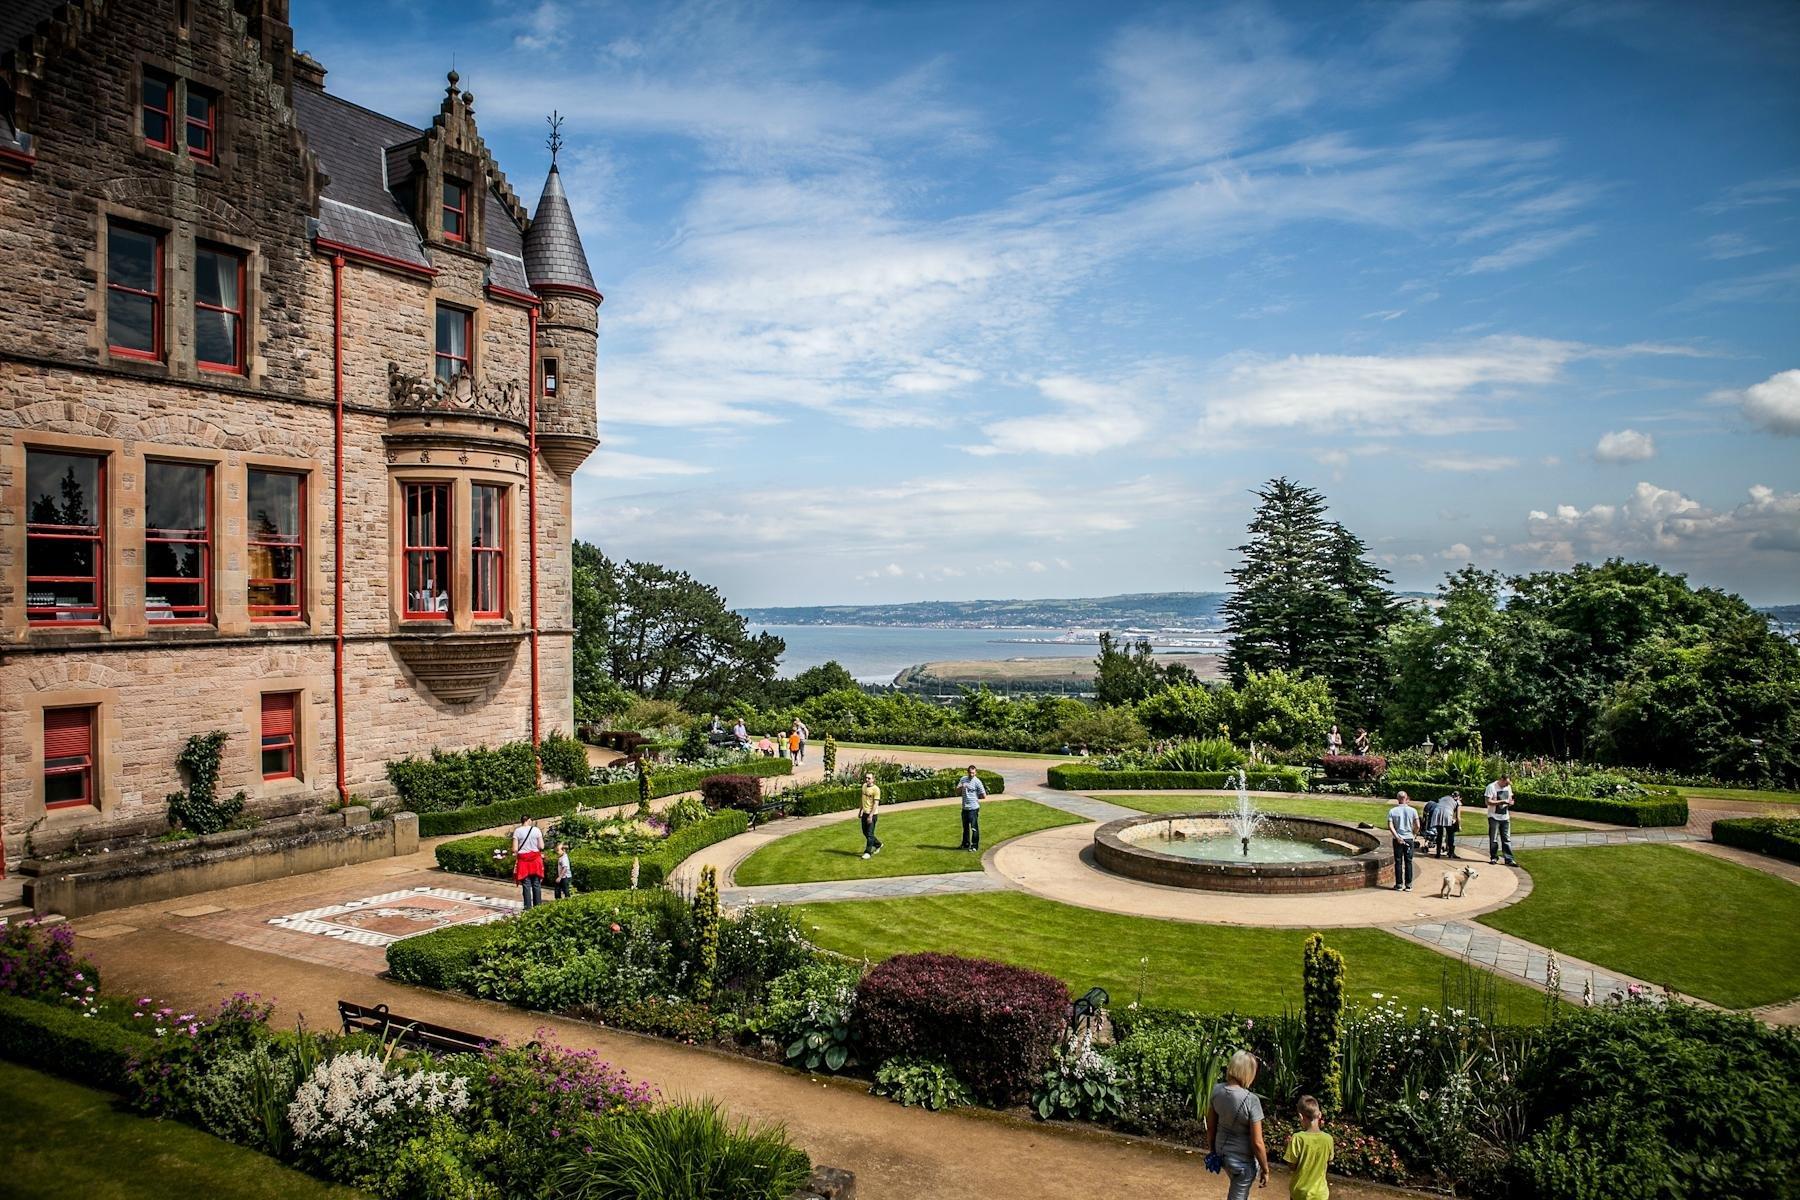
{"points": [[1082, 806], [1508, 955], [1596, 837]]}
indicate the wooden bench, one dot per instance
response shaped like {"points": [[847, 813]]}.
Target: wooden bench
{"points": [[418, 1035]]}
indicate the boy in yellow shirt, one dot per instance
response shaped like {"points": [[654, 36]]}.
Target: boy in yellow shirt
{"points": [[1309, 1150]]}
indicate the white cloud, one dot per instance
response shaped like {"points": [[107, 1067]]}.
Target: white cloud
{"points": [[1667, 525], [1625, 446], [1530, 249], [1458, 552], [1090, 417], [1721, 246], [1467, 463], [1773, 404], [606, 464]]}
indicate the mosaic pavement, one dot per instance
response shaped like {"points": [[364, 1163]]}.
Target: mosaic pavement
{"points": [[387, 918]]}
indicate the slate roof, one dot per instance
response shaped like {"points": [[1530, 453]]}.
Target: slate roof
{"points": [[553, 253], [505, 246], [352, 144], [18, 18]]}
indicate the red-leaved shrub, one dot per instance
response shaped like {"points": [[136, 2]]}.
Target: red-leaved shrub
{"points": [[1354, 768], [732, 791], [993, 1024]]}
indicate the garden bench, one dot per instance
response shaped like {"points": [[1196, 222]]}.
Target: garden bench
{"points": [[1088, 1006], [419, 1035]]}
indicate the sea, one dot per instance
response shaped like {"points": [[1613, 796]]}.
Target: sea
{"points": [[876, 653]]}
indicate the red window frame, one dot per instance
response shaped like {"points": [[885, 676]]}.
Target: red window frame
{"points": [[459, 211], [550, 375], [467, 358], [427, 506], [182, 614], [69, 751], [297, 543], [280, 712], [166, 113], [155, 296], [487, 551], [95, 533], [237, 338], [208, 127]]}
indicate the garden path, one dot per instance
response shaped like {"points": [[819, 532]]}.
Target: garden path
{"points": [[1515, 957]]}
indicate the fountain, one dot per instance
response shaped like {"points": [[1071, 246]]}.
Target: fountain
{"points": [[1244, 850]]}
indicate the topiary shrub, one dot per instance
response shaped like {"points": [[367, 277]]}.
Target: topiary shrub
{"points": [[742, 792], [564, 759], [199, 809], [993, 1024], [643, 786], [830, 756], [706, 932], [1322, 1022]]}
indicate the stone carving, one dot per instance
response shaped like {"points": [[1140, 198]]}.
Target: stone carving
{"points": [[459, 668], [462, 396]]}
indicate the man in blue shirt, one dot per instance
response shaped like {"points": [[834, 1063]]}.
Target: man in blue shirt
{"points": [[1403, 823], [973, 791]]}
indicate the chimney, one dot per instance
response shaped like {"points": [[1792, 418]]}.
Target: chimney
{"points": [[308, 70]]}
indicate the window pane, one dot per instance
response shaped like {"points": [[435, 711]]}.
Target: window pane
{"points": [[53, 556], [275, 762], [274, 506], [131, 322], [216, 337], [130, 258], [452, 332], [63, 489], [161, 596], [173, 560], [216, 278], [485, 525], [66, 788], [199, 106], [175, 499]]}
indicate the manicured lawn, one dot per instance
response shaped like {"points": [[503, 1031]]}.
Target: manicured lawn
{"points": [[1474, 823], [60, 1140], [920, 841], [1706, 927], [949, 750], [1753, 795], [1213, 968]]}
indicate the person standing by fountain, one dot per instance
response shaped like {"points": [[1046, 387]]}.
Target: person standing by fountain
{"points": [[1234, 1117], [973, 792], [1499, 797], [1444, 818], [1403, 823]]}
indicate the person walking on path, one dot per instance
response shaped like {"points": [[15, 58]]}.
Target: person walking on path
{"points": [[870, 813], [1234, 1135], [565, 874], [1334, 742], [1499, 797], [528, 861], [1446, 818], [973, 792], [1403, 823], [803, 733], [1309, 1151]]}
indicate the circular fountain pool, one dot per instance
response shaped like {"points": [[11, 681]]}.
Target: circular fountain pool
{"points": [[1283, 855]]}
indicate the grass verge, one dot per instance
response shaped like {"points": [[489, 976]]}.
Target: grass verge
{"points": [[59, 1139], [916, 842], [1703, 926], [1474, 824], [1748, 795], [1208, 968]]}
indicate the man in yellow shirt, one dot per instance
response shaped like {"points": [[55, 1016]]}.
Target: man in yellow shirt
{"points": [[1309, 1150]]}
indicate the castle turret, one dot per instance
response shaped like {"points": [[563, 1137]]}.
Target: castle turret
{"points": [[568, 325]]}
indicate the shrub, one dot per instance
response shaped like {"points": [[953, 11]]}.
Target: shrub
{"points": [[563, 758], [594, 952], [594, 869], [807, 802], [923, 1082], [460, 779], [1101, 729], [810, 1011], [742, 792], [671, 1017], [1177, 1058], [1079, 1082], [63, 1042], [1779, 836], [1645, 811], [1080, 777], [1354, 768], [760, 945], [645, 713], [1354, 1152], [38, 962], [685, 812], [609, 795], [439, 959], [995, 1025], [678, 1152], [1202, 754], [354, 1111], [1185, 710], [706, 931], [199, 809], [1322, 983]]}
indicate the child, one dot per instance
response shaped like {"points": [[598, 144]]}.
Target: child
{"points": [[793, 741], [565, 874], [1309, 1150]]}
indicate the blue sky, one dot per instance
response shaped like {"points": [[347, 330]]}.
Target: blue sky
{"points": [[915, 301]]}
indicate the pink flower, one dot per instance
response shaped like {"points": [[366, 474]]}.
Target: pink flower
{"points": [[615, 927]]}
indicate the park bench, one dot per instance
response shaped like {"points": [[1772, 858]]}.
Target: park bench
{"points": [[1088, 1006], [418, 1035]]}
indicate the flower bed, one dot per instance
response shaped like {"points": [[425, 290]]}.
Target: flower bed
{"points": [[1654, 810], [1779, 836], [595, 868], [1081, 777], [670, 781]]}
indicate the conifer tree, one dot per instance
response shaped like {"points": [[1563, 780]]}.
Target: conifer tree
{"points": [[1279, 589]]}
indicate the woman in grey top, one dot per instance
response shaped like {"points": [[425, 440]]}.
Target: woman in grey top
{"points": [[1234, 1120]]}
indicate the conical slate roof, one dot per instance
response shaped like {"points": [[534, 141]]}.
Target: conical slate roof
{"points": [[553, 253]]}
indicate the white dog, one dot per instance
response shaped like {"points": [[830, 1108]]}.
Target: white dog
{"points": [[1457, 879]]}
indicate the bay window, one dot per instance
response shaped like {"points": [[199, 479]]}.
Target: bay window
{"points": [[276, 541], [280, 748], [427, 551], [177, 542], [68, 757], [65, 537], [218, 309], [455, 330], [134, 291], [487, 550]]}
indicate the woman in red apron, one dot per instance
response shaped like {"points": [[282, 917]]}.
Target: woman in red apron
{"points": [[528, 862]]}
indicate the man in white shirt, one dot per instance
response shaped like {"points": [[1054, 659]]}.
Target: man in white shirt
{"points": [[1499, 798], [1403, 823]]}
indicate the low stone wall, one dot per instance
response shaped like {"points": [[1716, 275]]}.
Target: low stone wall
{"points": [[140, 874]]}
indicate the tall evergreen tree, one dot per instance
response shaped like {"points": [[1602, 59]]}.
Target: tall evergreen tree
{"points": [[1357, 619]]}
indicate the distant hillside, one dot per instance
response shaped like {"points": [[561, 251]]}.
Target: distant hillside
{"points": [[1142, 610]]}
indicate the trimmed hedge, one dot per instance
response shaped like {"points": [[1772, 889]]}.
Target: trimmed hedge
{"points": [[440, 958], [841, 799], [1778, 836], [732, 791], [462, 778], [64, 1043], [1642, 811], [670, 782], [995, 1025], [596, 871], [951, 737], [1077, 777]]}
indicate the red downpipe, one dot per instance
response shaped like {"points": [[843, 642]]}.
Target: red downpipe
{"points": [[531, 372], [337, 515]]}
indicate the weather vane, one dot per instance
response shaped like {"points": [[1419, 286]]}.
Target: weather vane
{"points": [[555, 140]]}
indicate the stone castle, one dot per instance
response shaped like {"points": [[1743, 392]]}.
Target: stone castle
{"points": [[291, 398]]}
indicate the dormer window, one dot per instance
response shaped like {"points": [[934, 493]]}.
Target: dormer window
{"points": [[159, 110], [456, 211]]}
